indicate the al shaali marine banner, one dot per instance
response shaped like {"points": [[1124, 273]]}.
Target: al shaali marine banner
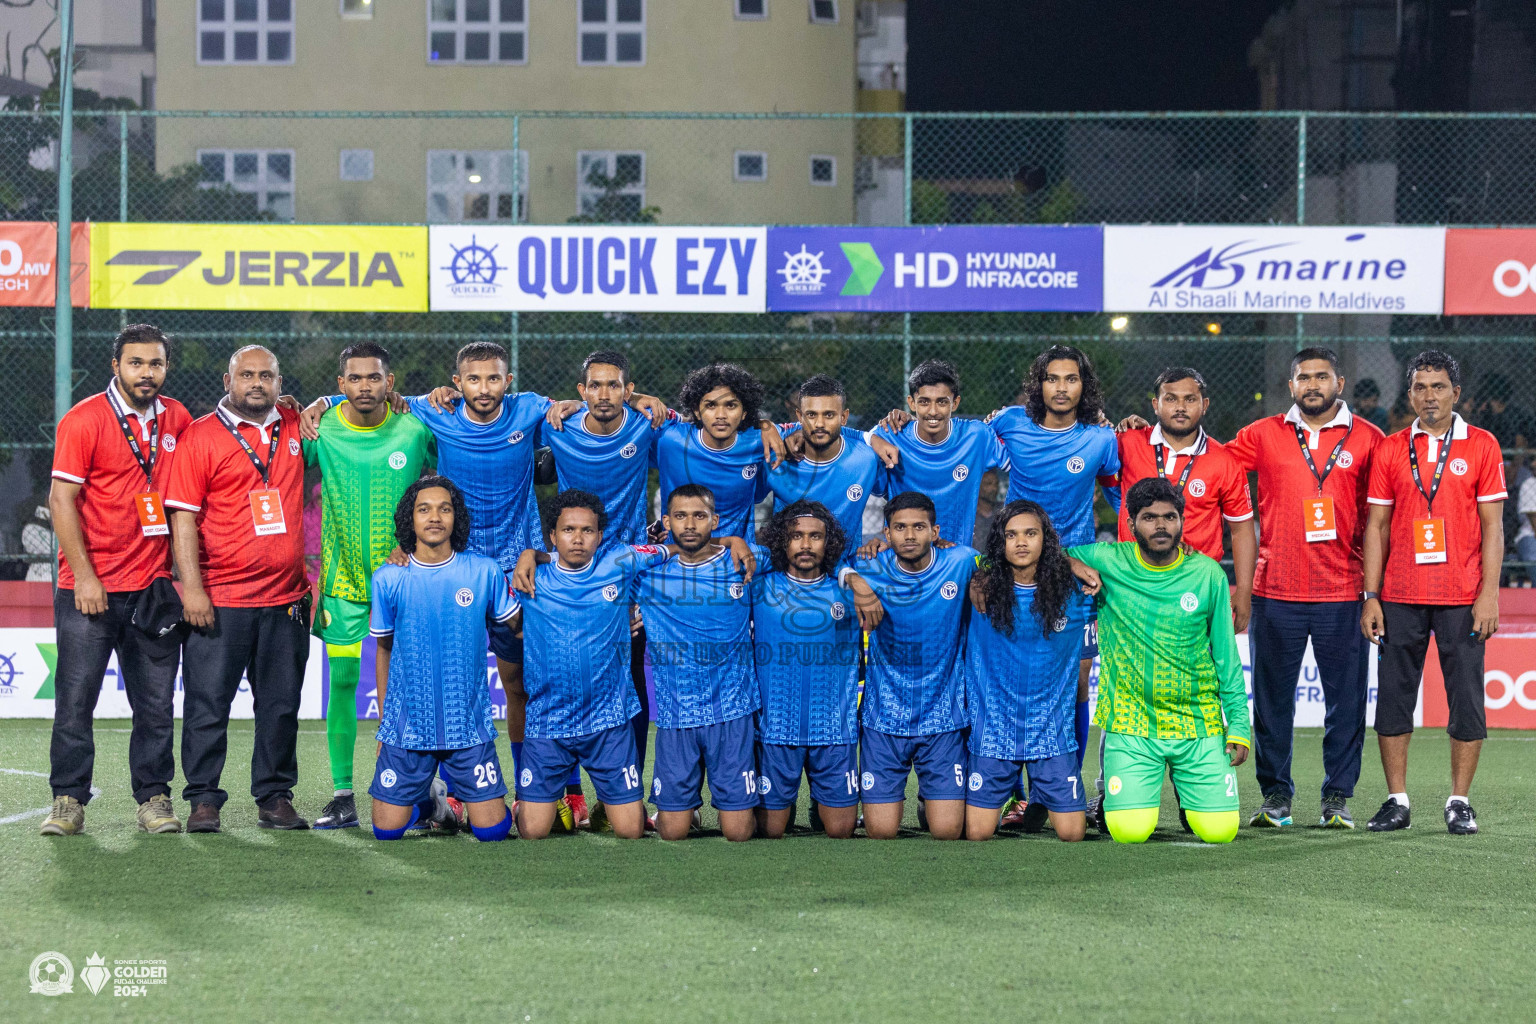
{"points": [[1238, 269], [259, 266]]}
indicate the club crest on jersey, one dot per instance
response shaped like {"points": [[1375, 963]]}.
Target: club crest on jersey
{"points": [[748, 472], [514, 437], [1459, 467], [1197, 488], [960, 473], [168, 442], [764, 786], [611, 592], [949, 590], [465, 597], [293, 446], [975, 781], [397, 460], [868, 780], [527, 777], [628, 451], [1114, 785], [387, 778], [1059, 625], [838, 610], [1345, 460], [1076, 464], [655, 787], [855, 492], [1189, 602], [736, 591]]}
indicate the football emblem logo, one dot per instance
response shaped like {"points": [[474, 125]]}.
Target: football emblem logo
{"points": [[628, 451], [1197, 488], [960, 473], [1346, 460], [949, 590], [868, 780], [748, 472], [736, 591], [1076, 464], [763, 785], [1114, 785], [387, 778], [293, 446], [1059, 625], [1459, 467], [516, 436], [465, 597], [1189, 602], [975, 781], [656, 787], [611, 592], [855, 492], [838, 610], [527, 777], [397, 460], [168, 442]]}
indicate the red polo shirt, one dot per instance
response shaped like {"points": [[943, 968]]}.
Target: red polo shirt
{"points": [[89, 449], [1475, 474], [1217, 487], [214, 477], [1291, 568]]}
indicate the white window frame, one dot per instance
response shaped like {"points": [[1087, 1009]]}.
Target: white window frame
{"points": [[609, 157], [261, 26], [811, 170], [363, 14], [261, 187], [811, 12], [493, 28], [750, 17], [736, 165], [612, 29], [341, 165], [469, 162]]}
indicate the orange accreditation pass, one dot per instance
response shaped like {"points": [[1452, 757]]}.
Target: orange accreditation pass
{"points": [[1318, 519], [1428, 541], [267, 512], [152, 521]]}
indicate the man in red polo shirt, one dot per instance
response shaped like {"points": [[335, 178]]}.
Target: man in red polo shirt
{"points": [[1436, 531], [1313, 465], [1214, 486], [111, 458], [236, 502]]}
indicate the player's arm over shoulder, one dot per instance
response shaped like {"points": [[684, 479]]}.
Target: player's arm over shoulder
{"points": [[1097, 556]]}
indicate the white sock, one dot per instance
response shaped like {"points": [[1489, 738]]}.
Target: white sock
{"points": [[1457, 800], [1401, 799], [342, 792]]}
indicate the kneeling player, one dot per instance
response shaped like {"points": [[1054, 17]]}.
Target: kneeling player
{"points": [[429, 618], [1169, 673], [1021, 661], [807, 652]]}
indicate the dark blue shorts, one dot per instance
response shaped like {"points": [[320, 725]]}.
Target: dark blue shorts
{"points": [[1054, 782], [608, 756], [725, 753], [404, 777], [886, 760], [833, 771], [1090, 640], [505, 644]]}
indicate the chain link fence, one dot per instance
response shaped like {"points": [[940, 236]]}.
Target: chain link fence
{"points": [[494, 167]]}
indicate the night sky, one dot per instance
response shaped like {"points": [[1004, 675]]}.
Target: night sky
{"points": [[1083, 54]]}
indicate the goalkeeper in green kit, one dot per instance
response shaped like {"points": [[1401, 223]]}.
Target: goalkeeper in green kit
{"points": [[1171, 690], [368, 455]]}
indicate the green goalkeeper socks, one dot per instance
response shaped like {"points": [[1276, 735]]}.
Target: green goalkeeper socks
{"points": [[341, 710]]}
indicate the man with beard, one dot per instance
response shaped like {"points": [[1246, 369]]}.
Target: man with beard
{"points": [[1171, 690], [1314, 466]]}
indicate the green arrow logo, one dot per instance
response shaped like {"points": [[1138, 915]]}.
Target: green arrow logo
{"points": [[50, 653], [866, 268]]}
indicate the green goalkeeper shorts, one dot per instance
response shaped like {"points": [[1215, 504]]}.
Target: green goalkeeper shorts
{"points": [[1134, 767], [340, 622]]}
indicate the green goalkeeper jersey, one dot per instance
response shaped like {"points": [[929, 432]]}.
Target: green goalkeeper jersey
{"points": [[364, 471], [1168, 662]]}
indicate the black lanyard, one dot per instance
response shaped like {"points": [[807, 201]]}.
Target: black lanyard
{"points": [[147, 465], [250, 452], [1189, 467], [1306, 453], [1413, 464]]}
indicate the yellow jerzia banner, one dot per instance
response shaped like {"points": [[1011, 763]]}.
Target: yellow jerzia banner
{"points": [[259, 266]]}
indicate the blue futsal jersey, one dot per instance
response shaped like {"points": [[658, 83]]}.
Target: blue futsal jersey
{"points": [[1058, 469], [843, 484], [698, 628], [576, 644], [735, 476], [915, 683], [1023, 688], [948, 472], [615, 468], [438, 695], [807, 660]]}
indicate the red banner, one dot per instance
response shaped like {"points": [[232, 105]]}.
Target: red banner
{"points": [[1509, 685], [28, 254], [1490, 271]]}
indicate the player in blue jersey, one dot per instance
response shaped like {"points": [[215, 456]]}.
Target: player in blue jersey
{"points": [[929, 451], [807, 654], [1021, 658], [836, 467], [914, 688], [429, 619]]}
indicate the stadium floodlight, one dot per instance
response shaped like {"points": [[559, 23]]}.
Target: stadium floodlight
{"points": [[1119, 323], [1213, 327]]}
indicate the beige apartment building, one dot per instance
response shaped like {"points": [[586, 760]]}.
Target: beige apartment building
{"points": [[486, 58]]}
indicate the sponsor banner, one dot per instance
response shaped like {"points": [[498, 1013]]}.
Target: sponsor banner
{"points": [[259, 266], [1509, 685], [29, 253], [936, 269], [636, 269], [1227, 269], [1490, 271], [28, 658]]}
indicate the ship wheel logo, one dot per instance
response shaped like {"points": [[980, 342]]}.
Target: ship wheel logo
{"points": [[474, 265], [803, 272]]}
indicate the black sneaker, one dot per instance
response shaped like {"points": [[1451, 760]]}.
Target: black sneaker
{"points": [[1335, 812], [1390, 818], [1275, 812], [1460, 819], [1096, 815], [1035, 817], [341, 812]]}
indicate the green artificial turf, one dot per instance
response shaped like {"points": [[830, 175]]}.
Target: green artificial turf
{"points": [[1301, 925]]}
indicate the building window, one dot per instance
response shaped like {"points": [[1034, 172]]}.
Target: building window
{"points": [[357, 10], [751, 165], [357, 165], [751, 10], [824, 12], [611, 32], [245, 31], [265, 173], [610, 185], [475, 186], [477, 31], [823, 170]]}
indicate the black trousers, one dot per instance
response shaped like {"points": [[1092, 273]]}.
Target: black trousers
{"points": [[1403, 650], [148, 667], [270, 647]]}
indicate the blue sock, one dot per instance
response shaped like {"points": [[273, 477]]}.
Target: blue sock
{"points": [[495, 833], [395, 833], [574, 780], [1018, 786], [1080, 728], [442, 771], [517, 763], [642, 726]]}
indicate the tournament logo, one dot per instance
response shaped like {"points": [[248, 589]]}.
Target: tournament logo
{"points": [[960, 473], [1114, 785], [95, 974], [748, 472], [465, 597], [975, 781], [611, 592], [949, 590], [1197, 488], [293, 446], [855, 492], [1459, 467], [838, 610], [763, 785], [629, 451], [1189, 602], [387, 778], [473, 269], [168, 442], [526, 778], [868, 780], [803, 272], [1345, 460], [52, 974], [517, 435], [397, 460], [736, 591], [1076, 464]]}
